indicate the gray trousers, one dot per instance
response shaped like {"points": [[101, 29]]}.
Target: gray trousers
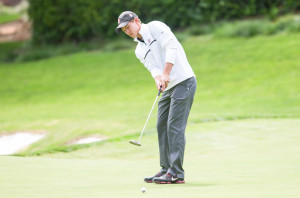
{"points": [[173, 111]]}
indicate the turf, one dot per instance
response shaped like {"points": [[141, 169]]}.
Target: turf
{"points": [[245, 158], [111, 93]]}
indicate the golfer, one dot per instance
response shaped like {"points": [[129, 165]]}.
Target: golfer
{"points": [[161, 53]]}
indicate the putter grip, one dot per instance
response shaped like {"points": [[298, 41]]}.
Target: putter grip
{"points": [[159, 91]]}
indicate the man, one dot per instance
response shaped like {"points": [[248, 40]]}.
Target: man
{"points": [[162, 54]]}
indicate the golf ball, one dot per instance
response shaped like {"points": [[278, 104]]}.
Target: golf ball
{"points": [[143, 189]]}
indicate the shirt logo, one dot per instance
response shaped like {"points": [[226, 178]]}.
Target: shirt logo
{"points": [[148, 40]]}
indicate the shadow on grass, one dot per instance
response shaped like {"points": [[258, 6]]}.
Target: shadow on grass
{"points": [[189, 185]]}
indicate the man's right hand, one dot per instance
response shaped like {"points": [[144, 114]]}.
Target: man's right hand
{"points": [[158, 82]]}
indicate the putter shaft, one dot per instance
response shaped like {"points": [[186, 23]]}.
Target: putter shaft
{"points": [[137, 143], [148, 118]]}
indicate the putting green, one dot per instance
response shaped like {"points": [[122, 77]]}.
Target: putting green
{"points": [[245, 158]]}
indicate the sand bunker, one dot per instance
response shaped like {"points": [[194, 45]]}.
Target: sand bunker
{"points": [[88, 140], [12, 143]]}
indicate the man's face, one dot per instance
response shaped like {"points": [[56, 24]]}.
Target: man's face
{"points": [[132, 28]]}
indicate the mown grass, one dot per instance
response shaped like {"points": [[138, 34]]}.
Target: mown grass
{"points": [[111, 93], [228, 159]]}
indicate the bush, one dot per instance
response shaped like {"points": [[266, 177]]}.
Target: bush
{"points": [[202, 29], [56, 21], [118, 44], [294, 27], [8, 51], [241, 29], [46, 51], [25, 51], [250, 28], [290, 23]]}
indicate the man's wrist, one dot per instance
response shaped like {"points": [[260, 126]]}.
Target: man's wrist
{"points": [[157, 78], [166, 73]]}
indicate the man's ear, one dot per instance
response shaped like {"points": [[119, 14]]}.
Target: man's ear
{"points": [[137, 20]]}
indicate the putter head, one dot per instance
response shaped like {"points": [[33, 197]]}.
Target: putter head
{"points": [[135, 143]]}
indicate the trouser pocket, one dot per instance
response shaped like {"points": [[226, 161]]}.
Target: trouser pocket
{"points": [[184, 89]]}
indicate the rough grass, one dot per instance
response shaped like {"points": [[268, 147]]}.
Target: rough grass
{"points": [[5, 18]]}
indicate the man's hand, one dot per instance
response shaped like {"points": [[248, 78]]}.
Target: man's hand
{"points": [[162, 81], [165, 79], [158, 82]]}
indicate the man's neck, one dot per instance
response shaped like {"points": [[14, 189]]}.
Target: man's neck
{"points": [[140, 36]]}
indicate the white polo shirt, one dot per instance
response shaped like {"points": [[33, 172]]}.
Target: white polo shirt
{"points": [[159, 46]]}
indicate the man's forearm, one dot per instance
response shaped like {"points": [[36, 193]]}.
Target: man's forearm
{"points": [[164, 79], [168, 68]]}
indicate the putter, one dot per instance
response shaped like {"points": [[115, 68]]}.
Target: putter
{"points": [[137, 143]]}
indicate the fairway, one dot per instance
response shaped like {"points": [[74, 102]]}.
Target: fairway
{"points": [[245, 158]]}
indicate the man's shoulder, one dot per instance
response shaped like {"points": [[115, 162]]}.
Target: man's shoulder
{"points": [[157, 27], [156, 24]]}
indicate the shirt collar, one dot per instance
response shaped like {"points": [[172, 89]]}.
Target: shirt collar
{"points": [[143, 30]]}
